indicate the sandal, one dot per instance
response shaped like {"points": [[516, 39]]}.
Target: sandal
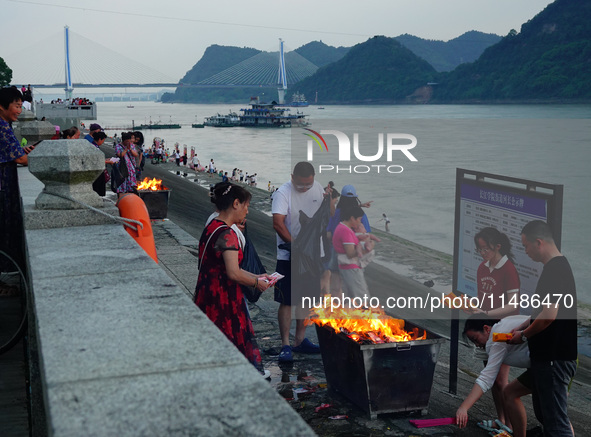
{"points": [[285, 355], [503, 427], [487, 425]]}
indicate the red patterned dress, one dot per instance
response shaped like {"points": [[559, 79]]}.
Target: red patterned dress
{"points": [[220, 298]]}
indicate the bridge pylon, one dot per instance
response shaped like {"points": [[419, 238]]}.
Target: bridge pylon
{"points": [[282, 77], [69, 89]]}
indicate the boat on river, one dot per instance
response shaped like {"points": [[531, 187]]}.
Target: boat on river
{"points": [[157, 126], [269, 115], [298, 100], [229, 120], [258, 115]]}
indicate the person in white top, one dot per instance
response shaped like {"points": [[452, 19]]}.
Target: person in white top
{"points": [[211, 168], [305, 194], [479, 329]]}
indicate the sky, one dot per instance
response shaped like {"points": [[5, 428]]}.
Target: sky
{"points": [[171, 36]]}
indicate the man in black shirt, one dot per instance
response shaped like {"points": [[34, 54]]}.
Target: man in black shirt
{"points": [[552, 333]]}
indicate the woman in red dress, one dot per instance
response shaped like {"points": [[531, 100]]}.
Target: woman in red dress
{"points": [[218, 293]]}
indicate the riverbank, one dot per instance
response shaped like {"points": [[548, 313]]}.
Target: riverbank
{"points": [[394, 254], [303, 384]]}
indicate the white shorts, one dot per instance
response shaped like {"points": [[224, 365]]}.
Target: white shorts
{"points": [[354, 284]]}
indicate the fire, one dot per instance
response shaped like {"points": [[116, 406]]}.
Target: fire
{"points": [[151, 184], [365, 325]]}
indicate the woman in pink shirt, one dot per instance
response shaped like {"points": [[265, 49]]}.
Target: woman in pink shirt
{"points": [[345, 244]]}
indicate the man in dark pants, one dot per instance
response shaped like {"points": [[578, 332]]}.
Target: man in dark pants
{"points": [[301, 193], [552, 331]]}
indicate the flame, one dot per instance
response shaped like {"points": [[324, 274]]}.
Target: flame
{"points": [[151, 184], [365, 325]]}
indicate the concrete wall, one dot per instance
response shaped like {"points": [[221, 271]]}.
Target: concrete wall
{"points": [[123, 351]]}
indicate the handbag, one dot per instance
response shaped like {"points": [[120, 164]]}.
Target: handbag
{"points": [[122, 167], [251, 263], [119, 173]]}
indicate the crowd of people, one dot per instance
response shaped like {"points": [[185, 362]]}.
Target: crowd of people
{"points": [[545, 343], [76, 101]]}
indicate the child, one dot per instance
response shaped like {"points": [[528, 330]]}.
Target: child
{"points": [[347, 246], [365, 248]]}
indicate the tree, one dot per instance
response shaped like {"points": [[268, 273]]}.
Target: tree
{"points": [[5, 73]]}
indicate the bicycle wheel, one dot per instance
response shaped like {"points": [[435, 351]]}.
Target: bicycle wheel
{"points": [[13, 303]]}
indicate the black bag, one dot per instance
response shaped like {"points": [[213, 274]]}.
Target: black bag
{"points": [[305, 248], [251, 263], [122, 167], [119, 173]]}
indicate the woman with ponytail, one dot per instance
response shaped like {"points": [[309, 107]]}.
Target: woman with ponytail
{"points": [[498, 293], [497, 278]]}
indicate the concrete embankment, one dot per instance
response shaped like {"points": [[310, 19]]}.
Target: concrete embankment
{"points": [[122, 350]]}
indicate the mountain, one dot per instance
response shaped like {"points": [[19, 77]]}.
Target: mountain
{"points": [[379, 70], [447, 55], [548, 60], [442, 55], [320, 54], [215, 59]]}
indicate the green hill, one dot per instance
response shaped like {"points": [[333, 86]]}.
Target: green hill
{"points": [[379, 70], [442, 55], [447, 55], [549, 60], [320, 54], [215, 59]]}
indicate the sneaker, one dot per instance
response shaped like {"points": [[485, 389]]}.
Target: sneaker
{"points": [[307, 347], [266, 374], [285, 354]]}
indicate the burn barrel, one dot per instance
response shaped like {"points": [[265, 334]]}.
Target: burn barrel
{"points": [[380, 378], [156, 201]]}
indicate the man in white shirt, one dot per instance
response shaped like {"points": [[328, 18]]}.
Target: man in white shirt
{"points": [[302, 193]]}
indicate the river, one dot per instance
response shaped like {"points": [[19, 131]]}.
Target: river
{"points": [[543, 143]]}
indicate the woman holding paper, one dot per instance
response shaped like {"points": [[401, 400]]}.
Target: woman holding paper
{"points": [[218, 293]]}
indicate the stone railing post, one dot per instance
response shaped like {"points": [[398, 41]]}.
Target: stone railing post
{"points": [[67, 168], [33, 130]]}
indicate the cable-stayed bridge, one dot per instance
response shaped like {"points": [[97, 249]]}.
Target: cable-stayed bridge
{"points": [[93, 65], [261, 69]]}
